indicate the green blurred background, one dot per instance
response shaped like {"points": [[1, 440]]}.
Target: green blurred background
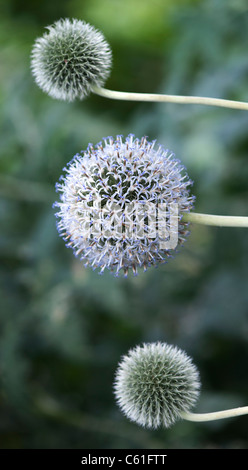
{"points": [[64, 328]]}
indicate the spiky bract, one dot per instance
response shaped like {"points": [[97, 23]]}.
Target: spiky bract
{"points": [[122, 179], [71, 58], [155, 384]]}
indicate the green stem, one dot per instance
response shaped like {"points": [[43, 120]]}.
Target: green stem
{"points": [[216, 414], [217, 220], [152, 97]]}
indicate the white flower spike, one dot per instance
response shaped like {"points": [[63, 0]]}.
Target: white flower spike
{"points": [[117, 201]]}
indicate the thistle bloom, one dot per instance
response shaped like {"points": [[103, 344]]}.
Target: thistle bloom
{"points": [[155, 384], [71, 58], [116, 201]]}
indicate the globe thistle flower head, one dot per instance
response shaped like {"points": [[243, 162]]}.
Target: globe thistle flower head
{"points": [[155, 384], [110, 198], [71, 58]]}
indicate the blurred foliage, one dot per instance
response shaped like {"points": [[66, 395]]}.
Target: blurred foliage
{"points": [[63, 327]]}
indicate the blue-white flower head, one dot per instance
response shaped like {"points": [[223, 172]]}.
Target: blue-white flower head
{"points": [[117, 200], [155, 384], [71, 58]]}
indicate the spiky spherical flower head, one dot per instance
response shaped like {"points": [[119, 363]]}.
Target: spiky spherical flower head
{"points": [[117, 201], [71, 58], [155, 384]]}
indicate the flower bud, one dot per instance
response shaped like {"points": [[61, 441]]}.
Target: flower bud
{"points": [[71, 58], [155, 384]]}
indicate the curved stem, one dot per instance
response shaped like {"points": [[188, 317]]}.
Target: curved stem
{"points": [[152, 97], [216, 414], [217, 220]]}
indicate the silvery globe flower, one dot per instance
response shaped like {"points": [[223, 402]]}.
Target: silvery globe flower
{"points": [[155, 384], [121, 204], [71, 58]]}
